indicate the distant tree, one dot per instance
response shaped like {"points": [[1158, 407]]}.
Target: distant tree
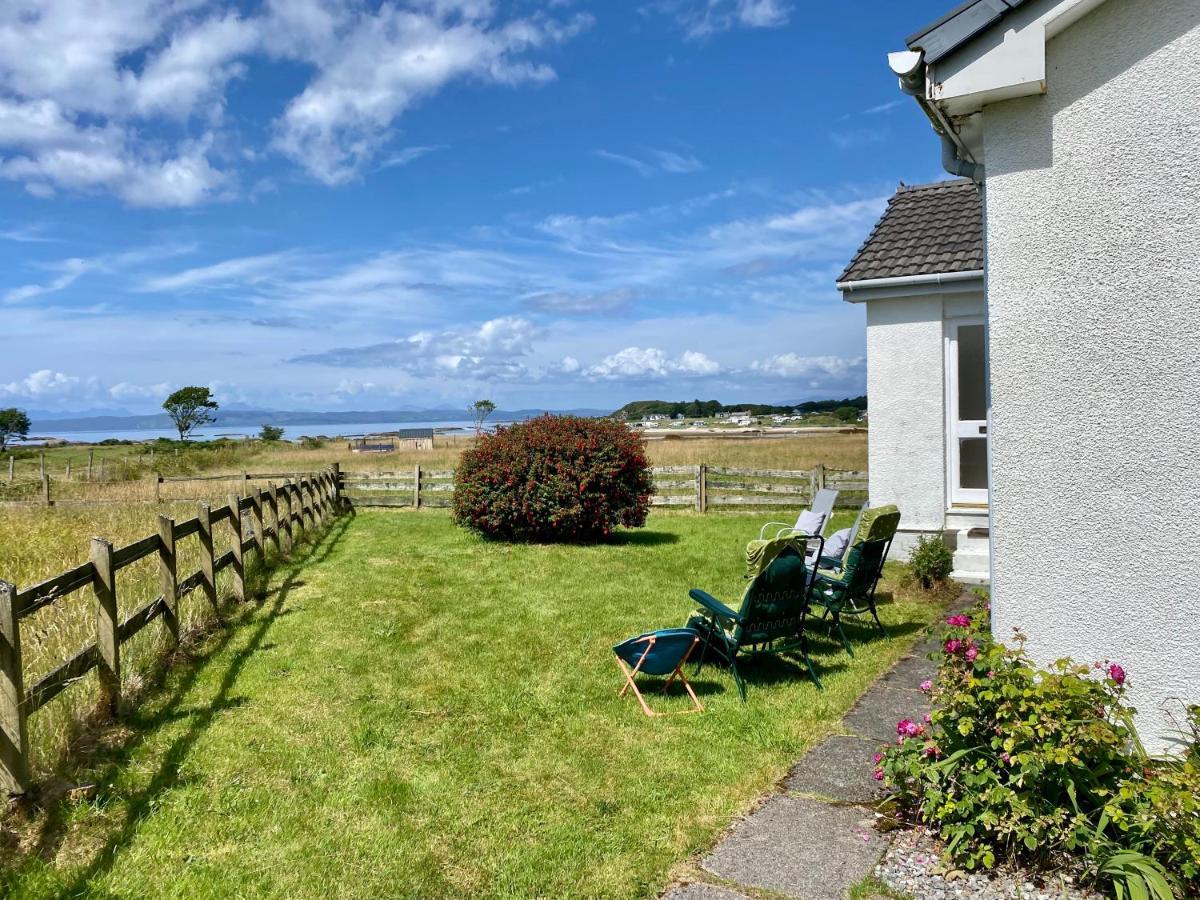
{"points": [[846, 413], [270, 433], [189, 408], [479, 411], [13, 424]]}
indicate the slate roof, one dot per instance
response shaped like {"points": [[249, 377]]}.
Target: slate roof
{"points": [[957, 27], [926, 229]]}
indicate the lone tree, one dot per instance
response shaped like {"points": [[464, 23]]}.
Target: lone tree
{"points": [[270, 433], [189, 408], [479, 411], [13, 424]]}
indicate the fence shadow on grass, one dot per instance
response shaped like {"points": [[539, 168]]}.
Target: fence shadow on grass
{"points": [[146, 722]]}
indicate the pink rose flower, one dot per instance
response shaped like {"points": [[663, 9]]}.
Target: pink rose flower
{"points": [[971, 653], [927, 685], [931, 750], [991, 673], [1117, 674], [928, 719], [877, 758], [959, 621], [902, 727], [1005, 758], [952, 646], [878, 775]]}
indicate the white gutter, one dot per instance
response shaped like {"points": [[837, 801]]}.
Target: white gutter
{"points": [[906, 280]]}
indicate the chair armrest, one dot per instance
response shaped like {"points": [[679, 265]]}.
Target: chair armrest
{"points": [[830, 562], [711, 603], [762, 530]]}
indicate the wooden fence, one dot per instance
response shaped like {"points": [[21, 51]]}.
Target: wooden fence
{"points": [[701, 487], [306, 503]]}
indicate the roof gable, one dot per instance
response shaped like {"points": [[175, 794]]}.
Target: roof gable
{"points": [[927, 229]]}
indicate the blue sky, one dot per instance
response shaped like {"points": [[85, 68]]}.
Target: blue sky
{"points": [[329, 204]]}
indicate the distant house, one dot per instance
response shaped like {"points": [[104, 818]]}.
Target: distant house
{"points": [[1075, 125]]}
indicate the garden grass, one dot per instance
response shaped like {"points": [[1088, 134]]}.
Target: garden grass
{"points": [[412, 711]]}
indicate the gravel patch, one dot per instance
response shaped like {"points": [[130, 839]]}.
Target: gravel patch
{"points": [[913, 864]]}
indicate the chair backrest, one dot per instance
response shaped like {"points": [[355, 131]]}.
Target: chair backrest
{"points": [[823, 503], [774, 603], [863, 563]]}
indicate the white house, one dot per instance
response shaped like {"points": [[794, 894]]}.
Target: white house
{"points": [[920, 276], [1080, 122]]}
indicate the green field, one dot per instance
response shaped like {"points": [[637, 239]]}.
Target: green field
{"points": [[413, 711]]}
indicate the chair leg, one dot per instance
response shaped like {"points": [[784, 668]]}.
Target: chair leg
{"points": [[737, 677], [629, 683], [875, 615], [837, 621]]}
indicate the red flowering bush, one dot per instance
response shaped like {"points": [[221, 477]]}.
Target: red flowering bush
{"points": [[554, 478]]}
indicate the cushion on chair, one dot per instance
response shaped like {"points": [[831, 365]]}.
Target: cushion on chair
{"points": [[810, 522], [836, 546]]}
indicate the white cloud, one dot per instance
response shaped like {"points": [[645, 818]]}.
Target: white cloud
{"points": [[42, 383], [493, 350], [701, 19], [566, 302], [374, 66], [639, 364], [653, 162], [70, 270], [54, 388], [242, 270], [794, 366], [408, 155], [103, 95]]}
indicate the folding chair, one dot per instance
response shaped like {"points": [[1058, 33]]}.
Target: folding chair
{"points": [[771, 618], [658, 653]]}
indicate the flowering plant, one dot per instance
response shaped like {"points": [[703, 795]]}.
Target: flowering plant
{"points": [[1039, 766], [554, 478]]}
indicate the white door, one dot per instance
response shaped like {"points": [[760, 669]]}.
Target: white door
{"points": [[967, 410]]}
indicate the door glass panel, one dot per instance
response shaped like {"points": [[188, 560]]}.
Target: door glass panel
{"points": [[972, 374], [972, 463]]}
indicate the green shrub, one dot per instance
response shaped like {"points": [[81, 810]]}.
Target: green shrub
{"points": [[554, 478], [1042, 766], [311, 443], [931, 561]]}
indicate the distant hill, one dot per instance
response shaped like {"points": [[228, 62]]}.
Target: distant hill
{"points": [[700, 409], [243, 417]]}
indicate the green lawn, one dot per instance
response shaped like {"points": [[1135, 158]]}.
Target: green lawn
{"points": [[412, 711]]}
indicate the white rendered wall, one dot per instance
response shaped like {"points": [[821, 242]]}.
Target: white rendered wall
{"points": [[907, 436], [1093, 240]]}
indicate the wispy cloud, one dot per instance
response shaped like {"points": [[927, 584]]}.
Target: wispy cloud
{"points": [[408, 155], [653, 162], [701, 19], [565, 302]]}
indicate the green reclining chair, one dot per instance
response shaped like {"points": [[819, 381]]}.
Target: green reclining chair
{"points": [[846, 587], [772, 615]]}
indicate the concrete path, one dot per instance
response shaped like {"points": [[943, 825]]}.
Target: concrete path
{"points": [[816, 839]]}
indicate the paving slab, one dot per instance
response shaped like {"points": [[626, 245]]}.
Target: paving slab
{"points": [[840, 768], [908, 674], [802, 848], [879, 709], [698, 891]]}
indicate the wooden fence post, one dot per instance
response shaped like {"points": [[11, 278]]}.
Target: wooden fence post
{"points": [[12, 463], [91, 453], [168, 574], [239, 568], [207, 572], [158, 480], [417, 486], [42, 456], [702, 488], [306, 517], [819, 473], [68, 470], [108, 641], [256, 518], [45, 488], [286, 496], [337, 485], [318, 510], [273, 502], [14, 731]]}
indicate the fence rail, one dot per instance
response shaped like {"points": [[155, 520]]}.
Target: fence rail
{"points": [[306, 503], [701, 487]]}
